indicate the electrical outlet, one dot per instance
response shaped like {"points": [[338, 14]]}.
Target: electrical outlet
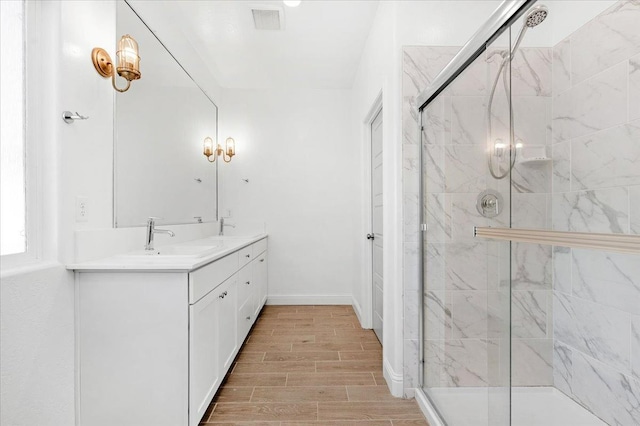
{"points": [[82, 209]]}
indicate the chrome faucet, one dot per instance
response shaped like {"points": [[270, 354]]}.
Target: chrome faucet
{"points": [[222, 225], [151, 230]]}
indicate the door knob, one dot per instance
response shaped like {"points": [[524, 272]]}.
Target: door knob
{"points": [[370, 237]]}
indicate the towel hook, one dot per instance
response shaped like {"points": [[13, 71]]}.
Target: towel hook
{"points": [[68, 117]]}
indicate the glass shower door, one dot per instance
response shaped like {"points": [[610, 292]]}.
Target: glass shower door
{"points": [[466, 292], [535, 321]]}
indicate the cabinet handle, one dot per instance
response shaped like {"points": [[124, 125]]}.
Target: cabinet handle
{"points": [[248, 282], [248, 318], [261, 260], [225, 292], [247, 255], [221, 296]]}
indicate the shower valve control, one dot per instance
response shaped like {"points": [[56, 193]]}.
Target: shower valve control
{"points": [[489, 203]]}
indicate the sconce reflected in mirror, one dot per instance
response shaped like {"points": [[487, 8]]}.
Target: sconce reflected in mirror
{"points": [[128, 66], [228, 152]]}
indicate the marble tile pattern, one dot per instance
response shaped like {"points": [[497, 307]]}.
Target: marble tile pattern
{"points": [[607, 40], [595, 185], [562, 367], [467, 313], [602, 333], [595, 124], [531, 362], [607, 158], [610, 279], [611, 395], [596, 320], [601, 210], [594, 104]]}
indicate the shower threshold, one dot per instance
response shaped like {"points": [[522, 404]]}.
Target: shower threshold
{"points": [[531, 406]]}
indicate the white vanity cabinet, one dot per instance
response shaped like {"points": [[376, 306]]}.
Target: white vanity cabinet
{"points": [[153, 346], [213, 344], [204, 373]]}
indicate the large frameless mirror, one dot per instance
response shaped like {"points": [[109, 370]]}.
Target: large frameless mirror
{"points": [[160, 127]]}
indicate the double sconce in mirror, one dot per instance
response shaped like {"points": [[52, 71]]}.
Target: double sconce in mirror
{"points": [[228, 152], [128, 66]]}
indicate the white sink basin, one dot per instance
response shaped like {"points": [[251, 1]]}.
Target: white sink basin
{"points": [[180, 251]]}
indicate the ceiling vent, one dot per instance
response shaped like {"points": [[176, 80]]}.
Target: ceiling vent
{"points": [[267, 18]]}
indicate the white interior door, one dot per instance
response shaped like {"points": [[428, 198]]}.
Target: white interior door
{"points": [[376, 223]]}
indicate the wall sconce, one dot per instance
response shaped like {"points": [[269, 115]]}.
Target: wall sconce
{"points": [[228, 152], [128, 66]]}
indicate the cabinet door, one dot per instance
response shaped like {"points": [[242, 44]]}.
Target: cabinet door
{"points": [[246, 318], [260, 278], [246, 285], [204, 369], [227, 295]]}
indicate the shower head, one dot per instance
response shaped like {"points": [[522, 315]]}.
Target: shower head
{"points": [[532, 18], [535, 16]]}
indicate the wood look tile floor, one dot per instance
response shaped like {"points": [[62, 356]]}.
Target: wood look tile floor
{"points": [[309, 365]]}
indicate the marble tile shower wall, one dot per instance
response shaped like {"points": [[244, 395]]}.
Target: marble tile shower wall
{"points": [[596, 188], [468, 279]]}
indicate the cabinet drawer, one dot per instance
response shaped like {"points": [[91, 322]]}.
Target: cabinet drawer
{"points": [[259, 247], [246, 255], [205, 279]]}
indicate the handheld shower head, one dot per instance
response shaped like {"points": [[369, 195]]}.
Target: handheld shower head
{"points": [[532, 18], [535, 16]]}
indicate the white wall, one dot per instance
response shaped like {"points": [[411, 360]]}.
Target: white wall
{"points": [[441, 23], [295, 147], [378, 72], [37, 303]]}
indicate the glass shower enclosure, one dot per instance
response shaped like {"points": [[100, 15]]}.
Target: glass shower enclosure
{"points": [[530, 218]]}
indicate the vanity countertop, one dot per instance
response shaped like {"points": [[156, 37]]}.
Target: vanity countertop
{"points": [[141, 261]]}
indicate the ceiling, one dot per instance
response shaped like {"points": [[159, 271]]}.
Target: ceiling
{"points": [[319, 47]]}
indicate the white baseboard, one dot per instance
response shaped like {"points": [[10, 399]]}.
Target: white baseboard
{"points": [[429, 412], [358, 310], [309, 300], [394, 380]]}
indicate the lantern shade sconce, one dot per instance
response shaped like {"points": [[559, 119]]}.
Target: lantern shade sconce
{"points": [[212, 152], [128, 66]]}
